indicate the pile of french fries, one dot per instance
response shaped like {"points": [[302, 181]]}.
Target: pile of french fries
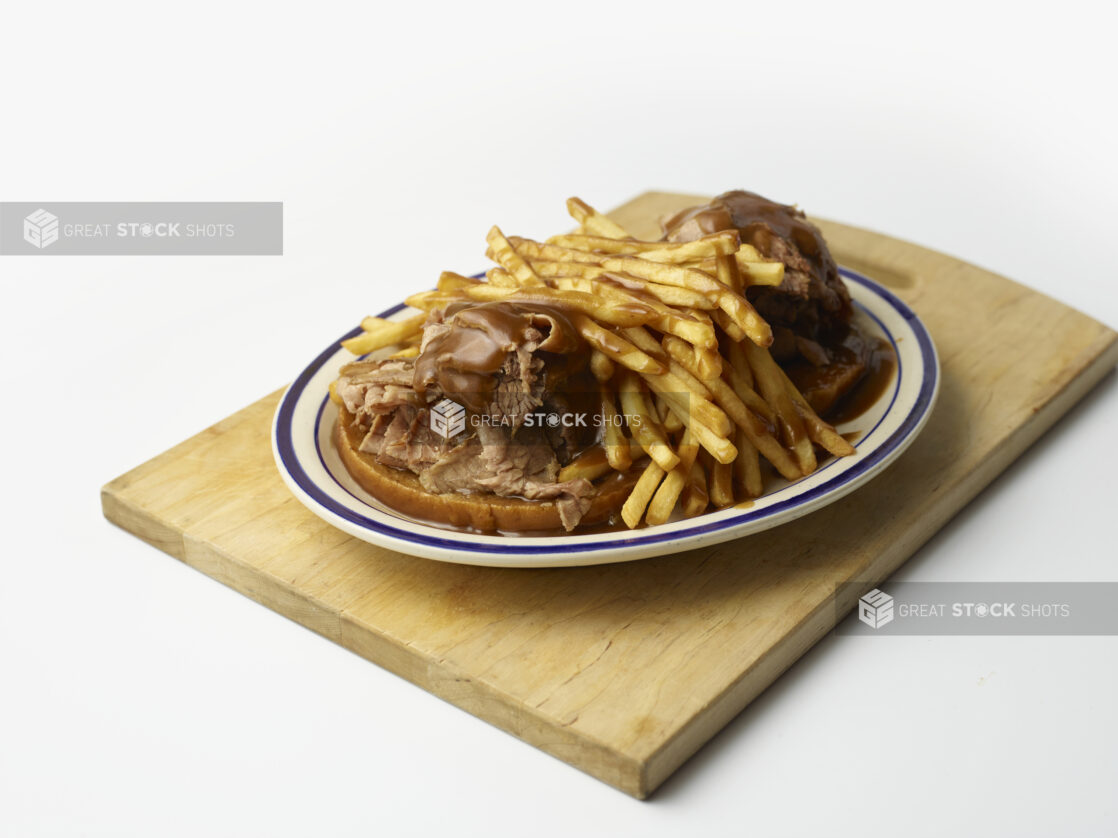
{"points": [[677, 351]]}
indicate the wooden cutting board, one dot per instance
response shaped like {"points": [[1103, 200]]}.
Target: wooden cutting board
{"points": [[625, 670]]}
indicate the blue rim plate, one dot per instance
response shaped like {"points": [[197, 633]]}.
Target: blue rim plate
{"points": [[313, 471]]}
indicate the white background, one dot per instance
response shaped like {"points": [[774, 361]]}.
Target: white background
{"points": [[138, 697]]}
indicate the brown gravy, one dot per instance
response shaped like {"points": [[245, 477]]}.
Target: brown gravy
{"points": [[758, 219], [464, 360], [861, 369], [866, 393]]}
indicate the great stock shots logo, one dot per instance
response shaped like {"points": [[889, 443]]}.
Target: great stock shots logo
{"points": [[131, 228], [448, 418], [40, 229], [981, 608], [875, 609]]}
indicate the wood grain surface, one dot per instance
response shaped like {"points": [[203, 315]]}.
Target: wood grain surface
{"points": [[625, 670]]}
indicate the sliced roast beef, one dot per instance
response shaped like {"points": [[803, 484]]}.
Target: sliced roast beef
{"points": [[371, 387], [487, 359], [397, 439], [454, 468], [519, 388], [492, 460], [425, 447]]}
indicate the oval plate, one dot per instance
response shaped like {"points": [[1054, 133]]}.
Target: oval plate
{"points": [[312, 469]]}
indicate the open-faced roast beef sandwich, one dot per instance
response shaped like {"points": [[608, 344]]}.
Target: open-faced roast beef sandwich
{"points": [[497, 408], [463, 432]]}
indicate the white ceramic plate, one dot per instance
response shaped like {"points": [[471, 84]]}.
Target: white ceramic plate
{"points": [[312, 469]]}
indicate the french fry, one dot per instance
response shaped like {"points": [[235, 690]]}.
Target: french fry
{"points": [[594, 221], [685, 392], [603, 244], [450, 281], [703, 362], [708, 361], [753, 268], [646, 342], [697, 333], [695, 499], [738, 363], [548, 269], [589, 465], [721, 483], [758, 271], [407, 352], [725, 243], [732, 329], [694, 385], [633, 509], [664, 274], [747, 467], [710, 246], [643, 424], [427, 300], [670, 295], [334, 397], [821, 433], [762, 439], [587, 286], [728, 274], [742, 313], [501, 278], [529, 249], [615, 347], [618, 453], [718, 445], [667, 418], [684, 362], [382, 333], [664, 501], [751, 398], [748, 396], [771, 385], [635, 450], [702, 316], [510, 260], [670, 321], [597, 245], [600, 365], [748, 253]]}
